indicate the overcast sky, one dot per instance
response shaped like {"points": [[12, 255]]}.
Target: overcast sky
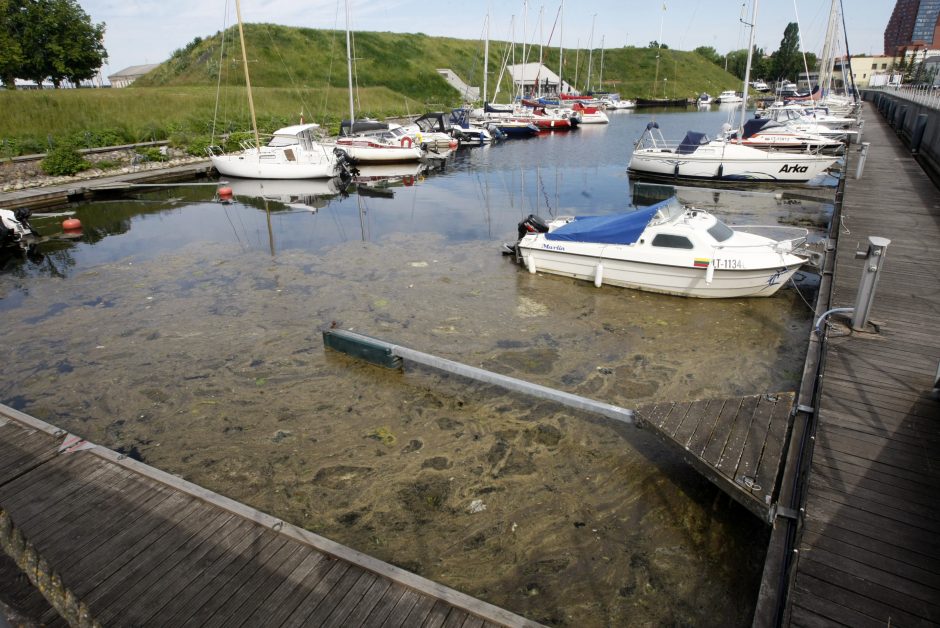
{"points": [[148, 31]]}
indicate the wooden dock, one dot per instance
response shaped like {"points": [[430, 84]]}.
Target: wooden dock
{"points": [[112, 541], [868, 546]]}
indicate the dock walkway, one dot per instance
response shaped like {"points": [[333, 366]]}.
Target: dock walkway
{"points": [[111, 541], [869, 550]]}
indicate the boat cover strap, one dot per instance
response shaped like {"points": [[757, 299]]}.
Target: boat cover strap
{"points": [[615, 229]]}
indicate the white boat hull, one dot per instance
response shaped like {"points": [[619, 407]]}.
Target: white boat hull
{"points": [[367, 151], [249, 166], [677, 280], [731, 163]]}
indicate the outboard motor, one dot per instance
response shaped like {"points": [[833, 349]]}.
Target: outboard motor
{"points": [[532, 224], [14, 226]]}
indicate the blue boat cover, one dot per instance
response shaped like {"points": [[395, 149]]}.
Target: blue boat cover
{"points": [[616, 229], [690, 142]]}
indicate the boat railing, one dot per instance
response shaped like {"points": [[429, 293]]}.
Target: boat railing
{"points": [[785, 238]]}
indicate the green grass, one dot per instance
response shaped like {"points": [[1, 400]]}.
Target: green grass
{"points": [[294, 69]]}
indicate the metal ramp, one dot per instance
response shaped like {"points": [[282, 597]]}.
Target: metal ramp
{"points": [[737, 443]]}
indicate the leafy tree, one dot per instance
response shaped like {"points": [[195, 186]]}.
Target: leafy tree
{"points": [[11, 52], [787, 61], [55, 39], [709, 53], [656, 44]]}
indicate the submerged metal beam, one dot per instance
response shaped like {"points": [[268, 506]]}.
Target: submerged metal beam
{"points": [[389, 355]]}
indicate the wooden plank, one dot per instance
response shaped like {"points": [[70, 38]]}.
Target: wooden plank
{"points": [[355, 595], [472, 622], [731, 414], [774, 435], [24, 498], [281, 600], [882, 455], [693, 418], [206, 589], [838, 460], [400, 610], [437, 616], [456, 618], [361, 611], [260, 584], [336, 596], [848, 478], [146, 585], [335, 572], [673, 420], [319, 569], [420, 611], [244, 569], [385, 604], [189, 574], [713, 433], [734, 446]]}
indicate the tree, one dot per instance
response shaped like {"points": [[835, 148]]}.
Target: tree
{"points": [[709, 53], [56, 40], [11, 52], [787, 61]]}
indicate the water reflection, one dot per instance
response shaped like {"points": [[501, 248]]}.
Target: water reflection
{"points": [[186, 330]]}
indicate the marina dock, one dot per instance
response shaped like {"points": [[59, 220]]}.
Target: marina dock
{"points": [[111, 541], [845, 471], [862, 548]]}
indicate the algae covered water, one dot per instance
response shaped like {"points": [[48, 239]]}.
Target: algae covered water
{"points": [[186, 332]]}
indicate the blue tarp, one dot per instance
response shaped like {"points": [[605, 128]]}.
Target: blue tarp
{"points": [[616, 229], [690, 142]]}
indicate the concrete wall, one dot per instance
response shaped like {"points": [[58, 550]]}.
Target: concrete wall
{"points": [[916, 124]]}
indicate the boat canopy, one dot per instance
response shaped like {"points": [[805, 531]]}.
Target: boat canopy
{"points": [[362, 126], [691, 141], [756, 125], [616, 229]]}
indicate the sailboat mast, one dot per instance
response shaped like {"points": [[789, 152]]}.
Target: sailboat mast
{"points": [[747, 69], [486, 58], [600, 76], [590, 53], [561, 46], [349, 61], [251, 102]]}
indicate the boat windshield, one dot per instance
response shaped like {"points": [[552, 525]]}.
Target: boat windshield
{"points": [[668, 210], [720, 231], [283, 140]]}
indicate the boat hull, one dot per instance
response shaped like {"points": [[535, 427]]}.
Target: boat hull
{"points": [[661, 278], [712, 164], [252, 167]]}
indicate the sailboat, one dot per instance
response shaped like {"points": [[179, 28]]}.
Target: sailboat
{"points": [[699, 158], [380, 146], [293, 152]]}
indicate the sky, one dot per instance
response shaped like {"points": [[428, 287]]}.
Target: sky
{"points": [[148, 31]]}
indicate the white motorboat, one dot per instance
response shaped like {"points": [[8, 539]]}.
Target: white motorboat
{"points": [[294, 152], [767, 134], [15, 230], [382, 146], [698, 157], [590, 115], [760, 86], [728, 96], [431, 130], [663, 248], [704, 99]]}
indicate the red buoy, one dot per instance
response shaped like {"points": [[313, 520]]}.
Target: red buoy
{"points": [[225, 194], [71, 224]]}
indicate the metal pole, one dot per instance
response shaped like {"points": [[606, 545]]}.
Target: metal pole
{"points": [[874, 261], [863, 153], [360, 346]]}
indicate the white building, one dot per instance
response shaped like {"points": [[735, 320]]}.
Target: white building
{"points": [[534, 79]]}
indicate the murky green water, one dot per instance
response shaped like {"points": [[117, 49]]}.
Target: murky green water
{"points": [[177, 336]]}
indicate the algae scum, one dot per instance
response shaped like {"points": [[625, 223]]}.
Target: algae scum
{"points": [[174, 334]]}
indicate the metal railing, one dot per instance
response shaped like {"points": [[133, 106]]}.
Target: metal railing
{"points": [[928, 96]]}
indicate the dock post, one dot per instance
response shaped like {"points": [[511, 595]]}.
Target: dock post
{"points": [[874, 261], [863, 153]]}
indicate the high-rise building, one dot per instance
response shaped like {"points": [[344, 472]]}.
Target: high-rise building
{"points": [[913, 24]]}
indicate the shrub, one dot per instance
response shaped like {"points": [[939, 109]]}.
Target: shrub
{"points": [[64, 159], [151, 154]]}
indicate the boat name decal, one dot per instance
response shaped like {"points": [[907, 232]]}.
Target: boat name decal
{"points": [[552, 247], [728, 264], [793, 168]]}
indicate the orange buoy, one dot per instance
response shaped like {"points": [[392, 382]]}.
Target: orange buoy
{"points": [[225, 194], [71, 224]]}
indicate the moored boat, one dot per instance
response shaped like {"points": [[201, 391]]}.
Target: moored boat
{"points": [[294, 152], [664, 248]]}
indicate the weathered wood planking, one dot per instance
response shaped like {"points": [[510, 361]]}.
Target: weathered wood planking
{"points": [[737, 443], [111, 540], [868, 550]]}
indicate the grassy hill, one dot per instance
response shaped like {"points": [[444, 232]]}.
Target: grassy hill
{"points": [[296, 70]]}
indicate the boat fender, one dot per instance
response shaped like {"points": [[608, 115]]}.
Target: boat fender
{"points": [[406, 142], [721, 170], [530, 264], [675, 170], [710, 272], [71, 224], [599, 275]]}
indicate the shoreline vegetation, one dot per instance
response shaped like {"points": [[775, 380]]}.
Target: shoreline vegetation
{"points": [[297, 72]]}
